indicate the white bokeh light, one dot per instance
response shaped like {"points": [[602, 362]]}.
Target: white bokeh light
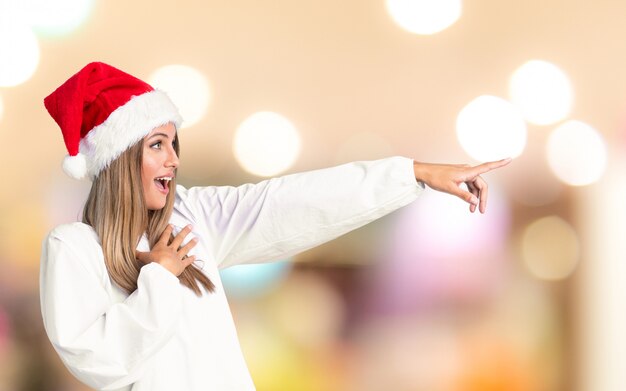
{"points": [[424, 16], [437, 250], [56, 17], [576, 153], [187, 87], [266, 144], [542, 91], [550, 248], [490, 128], [19, 52]]}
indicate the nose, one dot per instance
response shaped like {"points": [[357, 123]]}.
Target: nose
{"points": [[172, 159]]}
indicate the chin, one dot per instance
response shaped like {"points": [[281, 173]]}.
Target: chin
{"points": [[156, 205]]}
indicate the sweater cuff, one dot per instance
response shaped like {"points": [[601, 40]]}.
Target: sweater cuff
{"points": [[410, 173], [154, 270]]}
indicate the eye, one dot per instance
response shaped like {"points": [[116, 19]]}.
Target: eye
{"points": [[156, 145]]}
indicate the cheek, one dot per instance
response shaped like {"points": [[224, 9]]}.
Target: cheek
{"points": [[148, 171], [144, 180], [148, 165]]}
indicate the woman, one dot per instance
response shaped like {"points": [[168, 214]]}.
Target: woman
{"points": [[131, 297]]}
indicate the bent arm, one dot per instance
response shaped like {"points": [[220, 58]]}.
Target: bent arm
{"points": [[104, 344], [279, 217]]}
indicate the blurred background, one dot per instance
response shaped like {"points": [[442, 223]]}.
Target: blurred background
{"points": [[527, 297]]}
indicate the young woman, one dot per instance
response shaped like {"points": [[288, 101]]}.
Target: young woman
{"points": [[131, 296]]}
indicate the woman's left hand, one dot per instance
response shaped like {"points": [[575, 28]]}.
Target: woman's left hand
{"points": [[448, 178]]}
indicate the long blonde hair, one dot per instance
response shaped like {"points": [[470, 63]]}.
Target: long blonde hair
{"points": [[116, 210]]}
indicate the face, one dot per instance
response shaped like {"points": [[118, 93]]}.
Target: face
{"points": [[158, 165]]}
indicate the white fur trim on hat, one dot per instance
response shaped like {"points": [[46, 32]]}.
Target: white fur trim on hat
{"points": [[125, 126], [75, 166]]}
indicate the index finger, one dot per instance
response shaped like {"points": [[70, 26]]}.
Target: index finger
{"points": [[486, 167]]}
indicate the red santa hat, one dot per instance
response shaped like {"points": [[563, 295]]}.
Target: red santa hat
{"points": [[102, 112]]}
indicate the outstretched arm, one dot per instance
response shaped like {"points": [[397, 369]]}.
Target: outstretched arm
{"points": [[448, 178], [279, 217], [283, 216]]}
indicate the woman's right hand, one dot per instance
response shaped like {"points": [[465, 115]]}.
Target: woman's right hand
{"points": [[171, 256]]}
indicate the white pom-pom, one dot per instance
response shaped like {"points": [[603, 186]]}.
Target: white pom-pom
{"points": [[75, 166]]}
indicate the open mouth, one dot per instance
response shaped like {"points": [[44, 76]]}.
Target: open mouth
{"points": [[162, 183]]}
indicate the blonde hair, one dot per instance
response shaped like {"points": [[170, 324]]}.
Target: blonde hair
{"points": [[116, 210]]}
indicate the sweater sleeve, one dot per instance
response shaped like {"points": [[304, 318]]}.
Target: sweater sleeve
{"points": [[104, 344], [280, 217]]}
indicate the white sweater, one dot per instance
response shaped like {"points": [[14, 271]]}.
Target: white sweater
{"points": [[164, 337]]}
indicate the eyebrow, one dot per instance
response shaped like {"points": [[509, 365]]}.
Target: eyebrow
{"points": [[159, 134]]}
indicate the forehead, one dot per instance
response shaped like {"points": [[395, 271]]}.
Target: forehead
{"points": [[168, 129]]}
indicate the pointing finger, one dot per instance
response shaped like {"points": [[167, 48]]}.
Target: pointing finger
{"points": [[486, 167]]}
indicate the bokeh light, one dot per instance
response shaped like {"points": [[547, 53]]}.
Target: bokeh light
{"points": [[491, 359], [438, 250], [490, 128], [275, 363], [57, 17], [266, 144], [577, 153], [315, 324], [253, 279], [550, 248], [398, 340], [187, 87], [19, 52], [542, 91], [424, 16], [431, 217]]}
